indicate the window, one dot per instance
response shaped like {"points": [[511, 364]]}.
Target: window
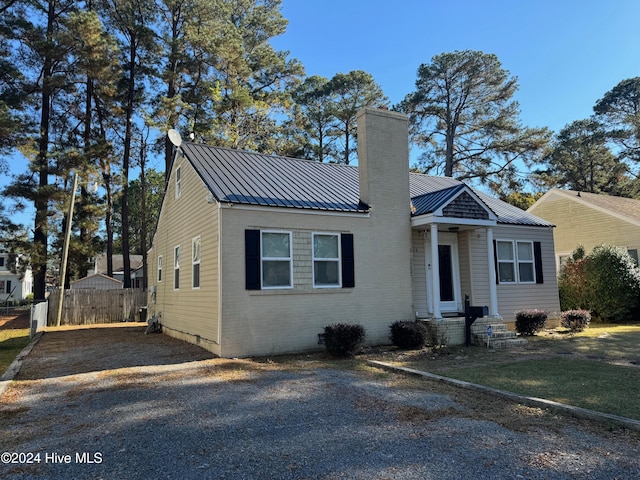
{"points": [[2, 286], [526, 271], [196, 252], [176, 267], [518, 262], [269, 260], [326, 260], [1, 261], [506, 262], [633, 252], [159, 268], [275, 254], [178, 182]]}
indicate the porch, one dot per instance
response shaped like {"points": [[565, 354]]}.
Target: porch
{"points": [[450, 331]]}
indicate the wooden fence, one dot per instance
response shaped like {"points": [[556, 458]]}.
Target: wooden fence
{"points": [[88, 307]]}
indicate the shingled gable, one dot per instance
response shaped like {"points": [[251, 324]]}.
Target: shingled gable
{"points": [[454, 202], [245, 178]]}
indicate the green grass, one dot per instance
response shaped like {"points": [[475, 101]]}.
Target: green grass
{"points": [[598, 368], [588, 384], [12, 341]]}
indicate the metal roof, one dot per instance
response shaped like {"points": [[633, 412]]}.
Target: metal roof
{"points": [[267, 180], [430, 202], [235, 176]]}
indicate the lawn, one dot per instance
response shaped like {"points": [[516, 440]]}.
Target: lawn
{"points": [[12, 341], [598, 369]]}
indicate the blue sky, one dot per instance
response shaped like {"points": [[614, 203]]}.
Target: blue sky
{"points": [[566, 53]]}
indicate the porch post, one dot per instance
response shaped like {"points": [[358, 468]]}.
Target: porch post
{"points": [[493, 290], [435, 271]]}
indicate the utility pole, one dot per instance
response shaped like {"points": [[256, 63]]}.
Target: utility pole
{"points": [[65, 248]]}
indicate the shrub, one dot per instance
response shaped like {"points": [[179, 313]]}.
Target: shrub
{"points": [[606, 282], [529, 322], [576, 320], [343, 340], [408, 334]]}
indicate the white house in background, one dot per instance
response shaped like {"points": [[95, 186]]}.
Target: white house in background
{"points": [[12, 286], [255, 254]]}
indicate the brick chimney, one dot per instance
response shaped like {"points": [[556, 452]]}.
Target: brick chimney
{"points": [[383, 161]]}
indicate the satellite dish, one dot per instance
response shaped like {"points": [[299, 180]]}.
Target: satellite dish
{"points": [[174, 137]]}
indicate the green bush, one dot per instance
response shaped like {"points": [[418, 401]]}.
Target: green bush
{"points": [[343, 340], [408, 334], [606, 282], [530, 322], [575, 320]]}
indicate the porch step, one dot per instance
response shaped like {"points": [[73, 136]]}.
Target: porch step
{"points": [[501, 336]]}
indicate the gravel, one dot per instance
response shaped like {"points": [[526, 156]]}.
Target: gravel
{"points": [[149, 406]]}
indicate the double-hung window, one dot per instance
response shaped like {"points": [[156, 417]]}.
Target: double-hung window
{"points": [[526, 269], [276, 259], [326, 260], [176, 267], [196, 253], [159, 268], [515, 261]]}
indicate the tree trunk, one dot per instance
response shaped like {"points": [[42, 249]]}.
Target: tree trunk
{"points": [[126, 261], [39, 261]]}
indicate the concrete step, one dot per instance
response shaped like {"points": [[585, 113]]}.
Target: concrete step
{"points": [[501, 336]]}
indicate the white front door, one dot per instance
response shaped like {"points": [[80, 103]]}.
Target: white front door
{"points": [[449, 273]]}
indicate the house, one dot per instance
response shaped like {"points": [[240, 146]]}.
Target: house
{"points": [[256, 254], [589, 219], [14, 287], [97, 281], [135, 261]]}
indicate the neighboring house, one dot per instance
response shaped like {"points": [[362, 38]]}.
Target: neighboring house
{"points": [[100, 266], [96, 282], [589, 219], [12, 287], [256, 254]]}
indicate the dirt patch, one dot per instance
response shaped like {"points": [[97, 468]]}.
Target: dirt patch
{"points": [[14, 318], [73, 350]]}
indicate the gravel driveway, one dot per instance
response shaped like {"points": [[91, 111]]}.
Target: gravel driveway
{"points": [[116, 404]]}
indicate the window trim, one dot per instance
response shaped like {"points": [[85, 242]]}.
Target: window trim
{"points": [[337, 260], [516, 262], [159, 276], [178, 185], [276, 259], [176, 267], [532, 262], [195, 261]]}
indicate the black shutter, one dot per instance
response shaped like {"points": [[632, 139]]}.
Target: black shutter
{"points": [[252, 259], [537, 257], [348, 268]]}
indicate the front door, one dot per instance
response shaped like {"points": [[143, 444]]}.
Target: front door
{"points": [[449, 272]]}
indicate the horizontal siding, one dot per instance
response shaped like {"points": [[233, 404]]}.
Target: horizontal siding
{"points": [[579, 224], [187, 310], [512, 298], [419, 274]]}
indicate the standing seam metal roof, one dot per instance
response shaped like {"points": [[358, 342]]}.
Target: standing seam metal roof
{"points": [[235, 176]]}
